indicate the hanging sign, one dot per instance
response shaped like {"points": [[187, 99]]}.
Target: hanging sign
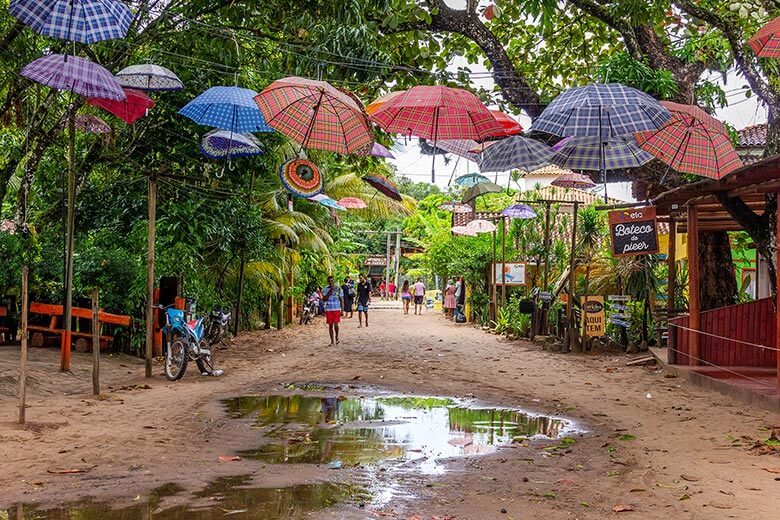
{"points": [[593, 315], [513, 274], [376, 260], [633, 231]]}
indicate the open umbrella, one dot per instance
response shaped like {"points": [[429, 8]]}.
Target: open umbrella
{"points": [[380, 102], [574, 180], [515, 153], [227, 108], [508, 124], [316, 115], [135, 105], [593, 153], [523, 211], [766, 42], [318, 197], [330, 203], [437, 112], [223, 144], [482, 188], [463, 230], [460, 147], [149, 77], [380, 151], [91, 124], [692, 141], [353, 203], [481, 226], [470, 179], [383, 185], [302, 178], [84, 21]]}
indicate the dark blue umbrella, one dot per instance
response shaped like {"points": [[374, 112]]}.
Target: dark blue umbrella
{"points": [[515, 153], [84, 21], [227, 108], [592, 153]]}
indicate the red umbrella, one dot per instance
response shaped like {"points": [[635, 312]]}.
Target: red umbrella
{"points": [[692, 141], [128, 110], [508, 124], [766, 42], [437, 112]]}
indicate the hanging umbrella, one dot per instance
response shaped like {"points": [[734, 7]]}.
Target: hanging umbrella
{"points": [[383, 185], [463, 230], [135, 105], [550, 170], [523, 211], [592, 153], [91, 124], [222, 144], [380, 102], [515, 153], [766, 42], [75, 74], [481, 226], [574, 180], [455, 207], [437, 112], [316, 115], [470, 179], [508, 124], [353, 203], [692, 141], [461, 147], [318, 197], [149, 77], [84, 21], [330, 203], [380, 151], [227, 108], [302, 178], [482, 188]]}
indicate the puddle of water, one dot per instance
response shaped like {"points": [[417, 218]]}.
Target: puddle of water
{"points": [[225, 497], [350, 431]]}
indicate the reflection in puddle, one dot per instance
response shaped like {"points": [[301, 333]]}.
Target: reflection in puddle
{"points": [[224, 497], [350, 431]]}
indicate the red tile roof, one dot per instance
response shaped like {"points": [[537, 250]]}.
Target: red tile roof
{"points": [[753, 136]]}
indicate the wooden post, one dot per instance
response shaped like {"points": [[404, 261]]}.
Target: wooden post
{"points": [[694, 306], [23, 366], [503, 261], [290, 283], [570, 326], [239, 295], [152, 203], [671, 289], [545, 279], [777, 307], [397, 260], [387, 268], [95, 343], [67, 313], [492, 307]]}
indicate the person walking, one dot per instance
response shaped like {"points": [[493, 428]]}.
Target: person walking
{"points": [[406, 296], [419, 296], [449, 300], [348, 289], [382, 288], [363, 298], [391, 290], [334, 302]]}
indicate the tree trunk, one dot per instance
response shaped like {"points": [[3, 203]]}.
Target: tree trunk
{"points": [[718, 282]]}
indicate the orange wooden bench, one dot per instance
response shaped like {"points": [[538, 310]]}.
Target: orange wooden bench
{"points": [[51, 334]]}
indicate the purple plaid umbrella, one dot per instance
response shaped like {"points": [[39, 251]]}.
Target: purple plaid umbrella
{"points": [[78, 75], [380, 151], [84, 21], [92, 124], [519, 211]]}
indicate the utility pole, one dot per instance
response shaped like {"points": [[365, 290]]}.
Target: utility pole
{"points": [[152, 202], [387, 266], [397, 259]]}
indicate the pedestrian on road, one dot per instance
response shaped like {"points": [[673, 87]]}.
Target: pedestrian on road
{"points": [[449, 300], [391, 290], [349, 296], [363, 298], [382, 288], [406, 296], [419, 296], [334, 302]]}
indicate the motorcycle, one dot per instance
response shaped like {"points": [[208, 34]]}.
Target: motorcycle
{"points": [[310, 309], [216, 326], [186, 342]]}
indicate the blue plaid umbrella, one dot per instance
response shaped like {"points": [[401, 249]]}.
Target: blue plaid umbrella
{"points": [[585, 153], [515, 153], [84, 21], [227, 108]]}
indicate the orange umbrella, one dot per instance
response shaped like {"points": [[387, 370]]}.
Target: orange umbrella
{"points": [[379, 102]]}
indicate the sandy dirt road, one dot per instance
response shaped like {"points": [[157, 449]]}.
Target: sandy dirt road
{"points": [[684, 452]]}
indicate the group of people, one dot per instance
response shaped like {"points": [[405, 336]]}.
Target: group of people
{"points": [[455, 299]]}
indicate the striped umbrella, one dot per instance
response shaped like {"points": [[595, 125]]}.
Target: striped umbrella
{"points": [[302, 178], [515, 153], [592, 153], [692, 141], [766, 42], [574, 180], [149, 77], [227, 108], [92, 124], [352, 203], [316, 115], [84, 21], [136, 104], [383, 185]]}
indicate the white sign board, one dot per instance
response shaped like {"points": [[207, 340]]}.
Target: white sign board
{"points": [[513, 274]]}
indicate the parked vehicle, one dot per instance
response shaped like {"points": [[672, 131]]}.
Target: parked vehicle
{"points": [[216, 326], [186, 341], [310, 310]]}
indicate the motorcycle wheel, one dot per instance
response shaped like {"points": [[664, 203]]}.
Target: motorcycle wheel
{"points": [[176, 359], [205, 362]]}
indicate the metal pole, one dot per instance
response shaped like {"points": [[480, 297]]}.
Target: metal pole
{"points": [[570, 327], [23, 367], [152, 203], [387, 267], [68, 304], [397, 259]]}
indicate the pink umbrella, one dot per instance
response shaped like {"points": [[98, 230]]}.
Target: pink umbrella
{"points": [[380, 151], [352, 203]]}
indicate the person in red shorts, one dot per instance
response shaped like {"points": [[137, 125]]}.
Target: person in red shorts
{"points": [[334, 302]]}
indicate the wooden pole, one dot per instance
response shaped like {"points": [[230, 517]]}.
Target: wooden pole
{"points": [[694, 306], [503, 261], [570, 327], [23, 367], [397, 260], [241, 268], [671, 288], [96, 343], [777, 307], [492, 307], [546, 245], [152, 203], [67, 313], [387, 268]]}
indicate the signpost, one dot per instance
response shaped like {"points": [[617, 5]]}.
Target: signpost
{"points": [[376, 261], [513, 273], [633, 231], [593, 322]]}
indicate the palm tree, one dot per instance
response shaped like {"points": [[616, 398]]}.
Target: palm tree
{"points": [[591, 232]]}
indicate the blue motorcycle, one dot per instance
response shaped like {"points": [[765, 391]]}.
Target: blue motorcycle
{"points": [[186, 341]]}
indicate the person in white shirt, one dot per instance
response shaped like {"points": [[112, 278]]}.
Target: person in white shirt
{"points": [[419, 296]]}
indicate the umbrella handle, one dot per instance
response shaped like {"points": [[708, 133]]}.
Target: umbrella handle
{"points": [[221, 172]]}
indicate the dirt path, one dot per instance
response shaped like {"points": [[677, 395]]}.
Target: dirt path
{"points": [[680, 457]]}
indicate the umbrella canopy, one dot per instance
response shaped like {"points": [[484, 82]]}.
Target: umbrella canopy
{"points": [[222, 144], [574, 180], [508, 124], [456, 207], [482, 188], [149, 77], [692, 141], [135, 105], [380, 151], [383, 185], [766, 42], [592, 153], [519, 211], [92, 124], [463, 230], [330, 203], [84, 21], [460, 147], [380, 102], [470, 179], [75, 74], [515, 153], [302, 178], [481, 226], [227, 108], [317, 115], [353, 203], [318, 197], [550, 170]]}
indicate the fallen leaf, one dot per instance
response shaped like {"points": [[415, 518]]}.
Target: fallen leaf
{"points": [[636, 490], [621, 508], [355, 378], [772, 470], [690, 478], [720, 505], [68, 471], [229, 458], [234, 511]]}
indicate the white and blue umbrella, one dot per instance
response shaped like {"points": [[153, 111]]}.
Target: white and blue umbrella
{"points": [[149, 77], [84, 21], [223, 144], [330, 203], [227, 108]]}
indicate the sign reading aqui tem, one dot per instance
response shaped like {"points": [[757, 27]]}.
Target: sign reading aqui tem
{"points": [[513, 274], [592, 315], [376, 260], [633, 231]]}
